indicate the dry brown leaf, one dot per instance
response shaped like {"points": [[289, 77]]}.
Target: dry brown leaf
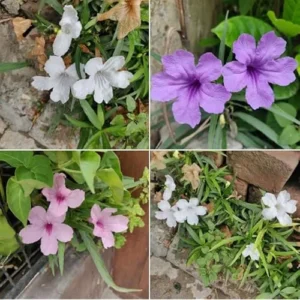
{"points": [[127, 13], [157, 197], [210, 207], [38, 52], [158, 160], [21, 25], [191, 174], [68, 60], [225, 229], [97, 52], [85, 49]]}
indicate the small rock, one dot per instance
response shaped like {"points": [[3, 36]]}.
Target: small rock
{"points": [[12, 6], [254, 194], [16, 140]]}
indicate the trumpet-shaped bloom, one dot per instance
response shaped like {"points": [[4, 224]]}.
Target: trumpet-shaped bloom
{"points": [[60, 197], [251, 251], [46, 227], [105, 224], [166, 213], [170, 187], [103, 77], [189, 211], [256, 67], [279, 207], [70, 29], [190, 85], [60, 79]]}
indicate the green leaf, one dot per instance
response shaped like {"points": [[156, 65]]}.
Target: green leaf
{"points": [[193, 234], [226, 241], [61, 256], [239, 25], [111, 160], [112, 179], [16, 158], [245, 6], [77, 123], [92, 116], [291, 11], [55, 5], [289, 290], [100, 114], [17, 202], [286, 92], [131, 104], [99, 263], [85, 13], [286, 27], [89, 164], [5, 67], [287, 109], [289, 136], [8, 241]]}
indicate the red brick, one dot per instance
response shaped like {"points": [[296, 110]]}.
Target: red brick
{"points": [[240, 186], [268, 170]]}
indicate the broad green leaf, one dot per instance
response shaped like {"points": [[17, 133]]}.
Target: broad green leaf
{"points": [[286, 92], [41, 167], [89, 164], [99, 263], [131, 104], [112, 179], [5, 67], [61, 257], [245, 6], [111, 160], [16, 158], [8, 241], [100, 114], [289, 290], [289, 136], [92, 116], [291, 11], [239, 25], [286, 27], [193, 234], [289, 110], [17, 202]]}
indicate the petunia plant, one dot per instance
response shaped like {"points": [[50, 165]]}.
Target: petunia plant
{"points": [[242, 92], [62, 200], [226, 236]]}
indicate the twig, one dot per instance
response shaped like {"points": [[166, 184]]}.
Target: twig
{"points": [[183, 32], [5, 20], [171, 132]]}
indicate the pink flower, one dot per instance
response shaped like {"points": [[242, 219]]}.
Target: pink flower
{"points": [[106, 224], [46, 227], [60, 197]]}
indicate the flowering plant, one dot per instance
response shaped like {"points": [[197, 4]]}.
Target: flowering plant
{"points": [[241, 92], [78, 200], [226, 236]]}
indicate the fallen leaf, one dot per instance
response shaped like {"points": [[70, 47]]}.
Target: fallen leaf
{"points": [[68, 60], [157, 160], [21, 25], [210, 207], [38, 52], [191, 174], [157, 197], [97, 52], [225, 229], [85, 49]]}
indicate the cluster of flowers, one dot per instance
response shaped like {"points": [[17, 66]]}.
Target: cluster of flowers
{"points": [[48, 226], [277, 208], [102, 76], [254, 68], [182, 211]]}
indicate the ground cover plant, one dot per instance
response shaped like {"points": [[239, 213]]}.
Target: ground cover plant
{"points": [[228, 237], [94, 63], [63, 200], [245, 85]]}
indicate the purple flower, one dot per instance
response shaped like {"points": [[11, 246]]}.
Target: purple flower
{"points": [[190, 85], [256, 67]]}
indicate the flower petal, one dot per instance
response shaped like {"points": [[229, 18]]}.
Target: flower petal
{"points": [[107, 212], [95, 213], [269, 213], [61, 93], [94, 65], [170, 183], [259, 93], [42, 83], [119, 79], [83, 87], [244, 48], [283, 197], [279, 72], [179, 64], [284, 219], [291, 206], [63, 232], [167, 194], [269, 199], [116, 223], [270, 47], [192, 218], [235, 76], [103, 90], [58, 208], [108, 239], [186, 109], [62, 43], [114, 63], [37, 216], [209, 67], [194, 202], [161, 215], [201, 210], [75, 198], [171, 221], [54, 66], [71, 71], [164, 205], [76, 30], [70, 15], [182, 204], [180, 216], [49, 244], [213, 97], [31, 233]]}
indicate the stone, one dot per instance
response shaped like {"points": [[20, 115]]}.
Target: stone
{"points": [[3, 126], [240, 186], [16, 140], [268, 170], [12, 6], [254, 194]]}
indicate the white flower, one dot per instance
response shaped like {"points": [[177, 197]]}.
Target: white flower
{"points": [[251, 251], [189, 211], [103, 77], [60, 80], [166, 213], [170, 187], [70, 29], [279, 208]]}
